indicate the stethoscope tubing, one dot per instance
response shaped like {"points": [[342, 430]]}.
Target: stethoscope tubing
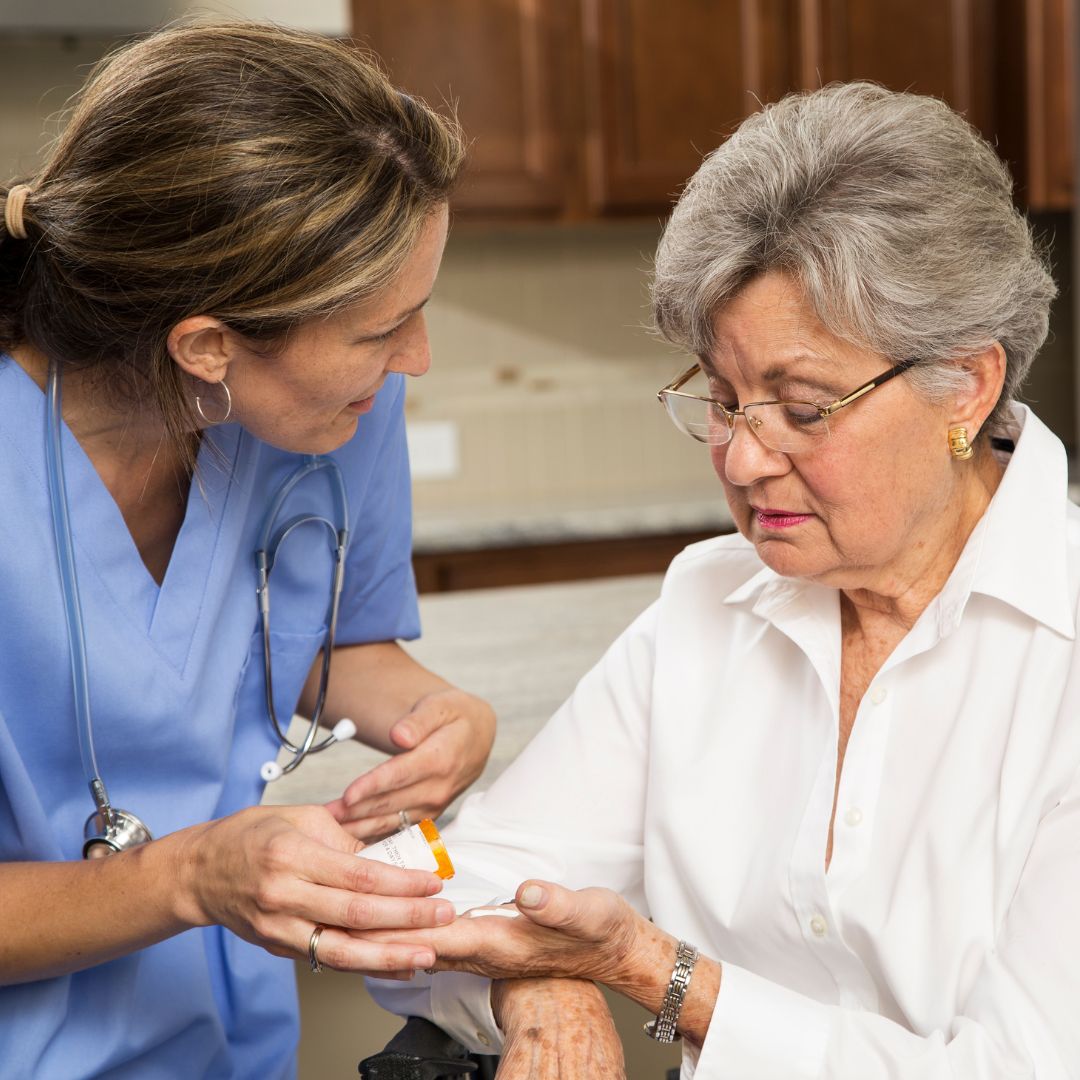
{"points": [[69, 587], [265, 555], [120, 829]]}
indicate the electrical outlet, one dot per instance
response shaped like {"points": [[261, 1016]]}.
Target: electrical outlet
{"points": [[434, 449]]}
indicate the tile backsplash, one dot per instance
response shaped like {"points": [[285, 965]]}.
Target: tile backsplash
{"points": [[543, 361]]}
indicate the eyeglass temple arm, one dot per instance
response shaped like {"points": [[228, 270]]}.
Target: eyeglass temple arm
{"points": [[680, 382], [873, 384], [827, 410]]}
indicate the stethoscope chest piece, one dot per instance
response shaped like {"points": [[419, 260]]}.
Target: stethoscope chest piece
{"points": [[104, 837]]}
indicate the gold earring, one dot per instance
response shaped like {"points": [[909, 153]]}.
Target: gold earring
{"points": [[959, 446]]}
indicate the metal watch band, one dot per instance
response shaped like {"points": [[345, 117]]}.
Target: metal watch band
{"points": [[662, 1029]]}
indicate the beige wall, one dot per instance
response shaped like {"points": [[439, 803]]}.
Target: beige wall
{"points": [[38, 74], [90, 16], [542, 358]]}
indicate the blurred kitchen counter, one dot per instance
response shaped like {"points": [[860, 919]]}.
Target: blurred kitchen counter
{"points": [[523, 649], [538, 544], [592, 519]]}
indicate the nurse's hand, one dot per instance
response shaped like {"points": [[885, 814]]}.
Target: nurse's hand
{"points": [[555, 1028], [445, 742], [270, 874]]}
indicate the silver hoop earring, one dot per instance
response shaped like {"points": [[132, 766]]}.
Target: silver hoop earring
{"points": [[228, 407]]}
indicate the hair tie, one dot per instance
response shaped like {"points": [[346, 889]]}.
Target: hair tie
{"points": [[13, 211]]}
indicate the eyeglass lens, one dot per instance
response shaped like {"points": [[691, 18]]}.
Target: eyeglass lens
{"points": [[788, 426]]}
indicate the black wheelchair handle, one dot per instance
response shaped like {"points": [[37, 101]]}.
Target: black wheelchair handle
{"points": [[392, 1066], [419, 1051]]}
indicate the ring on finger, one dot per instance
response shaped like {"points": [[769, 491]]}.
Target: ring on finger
{"points": [[403, 817], [313, 948]]}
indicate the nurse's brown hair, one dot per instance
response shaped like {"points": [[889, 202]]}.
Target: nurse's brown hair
{"points": [[258, 174]]}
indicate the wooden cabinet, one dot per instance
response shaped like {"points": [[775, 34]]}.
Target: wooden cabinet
{"points": [[583, 108], [665, 83], [1008, 65], [587, 108], [1036, 98], [536, 564], [938, 47], [504, 66]]}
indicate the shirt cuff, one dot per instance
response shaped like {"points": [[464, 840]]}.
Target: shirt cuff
{"points": [[461, 1006], [762, 1030]]}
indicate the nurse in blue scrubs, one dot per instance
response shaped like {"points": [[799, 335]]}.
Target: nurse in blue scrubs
{"points": [[223, 263]]}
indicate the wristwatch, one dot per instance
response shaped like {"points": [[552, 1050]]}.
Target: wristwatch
{"points": [[662, 1029]]}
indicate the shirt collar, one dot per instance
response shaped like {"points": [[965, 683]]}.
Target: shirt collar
{"points": [[1017, 553]]}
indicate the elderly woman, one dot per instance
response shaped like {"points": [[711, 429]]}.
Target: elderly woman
{"points": [[211, 295], [838, 758]]}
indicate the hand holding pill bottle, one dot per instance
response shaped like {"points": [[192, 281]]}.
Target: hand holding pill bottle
{"points": [[419, 847]]}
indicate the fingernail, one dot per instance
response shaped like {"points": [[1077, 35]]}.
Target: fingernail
{"points": [[423, 960], [445, 913], [532, 896], [405, 732]]}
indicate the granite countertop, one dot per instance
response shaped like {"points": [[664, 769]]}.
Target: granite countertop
{"points": [[523, 649], [441, 531]]}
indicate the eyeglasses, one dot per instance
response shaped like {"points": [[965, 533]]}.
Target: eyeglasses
{"points": [[791, 427]]}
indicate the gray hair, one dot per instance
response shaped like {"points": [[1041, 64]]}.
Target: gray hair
{"points": [[891, 212]]}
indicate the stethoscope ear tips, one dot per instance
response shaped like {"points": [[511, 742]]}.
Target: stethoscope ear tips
{"points": [[270, 771], [344, 729]]}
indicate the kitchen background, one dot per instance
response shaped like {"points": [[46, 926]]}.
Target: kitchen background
{"points": [[539, 451]]}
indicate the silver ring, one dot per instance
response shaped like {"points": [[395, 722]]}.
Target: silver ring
{"points": [[403, 817], [313, 949]]}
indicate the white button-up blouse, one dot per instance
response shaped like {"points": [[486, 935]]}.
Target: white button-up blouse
{"points": [[693, 770]]}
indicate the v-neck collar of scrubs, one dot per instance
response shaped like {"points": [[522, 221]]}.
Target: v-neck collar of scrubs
{"points": [[167, 615]]}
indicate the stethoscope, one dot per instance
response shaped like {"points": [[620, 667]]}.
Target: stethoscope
{"points": [[269, 545], [110, 829]]}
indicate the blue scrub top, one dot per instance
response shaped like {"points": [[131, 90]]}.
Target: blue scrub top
{"points": [[180, 724]]}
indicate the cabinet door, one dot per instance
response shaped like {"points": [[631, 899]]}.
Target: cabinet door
{"points": [[666, 82], [939, 47], [1050, 47], [502, 63]]}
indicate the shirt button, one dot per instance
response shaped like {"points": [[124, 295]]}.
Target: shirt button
{"points": [[878, 694], [853, 817], [482, 1039], [819, 926]]}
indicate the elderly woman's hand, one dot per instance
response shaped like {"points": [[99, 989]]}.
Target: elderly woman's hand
{"points": [[555, 1028], [445, 741], [562, 933]]}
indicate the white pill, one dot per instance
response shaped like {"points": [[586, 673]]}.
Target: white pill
{"points": [[506, 913]]}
